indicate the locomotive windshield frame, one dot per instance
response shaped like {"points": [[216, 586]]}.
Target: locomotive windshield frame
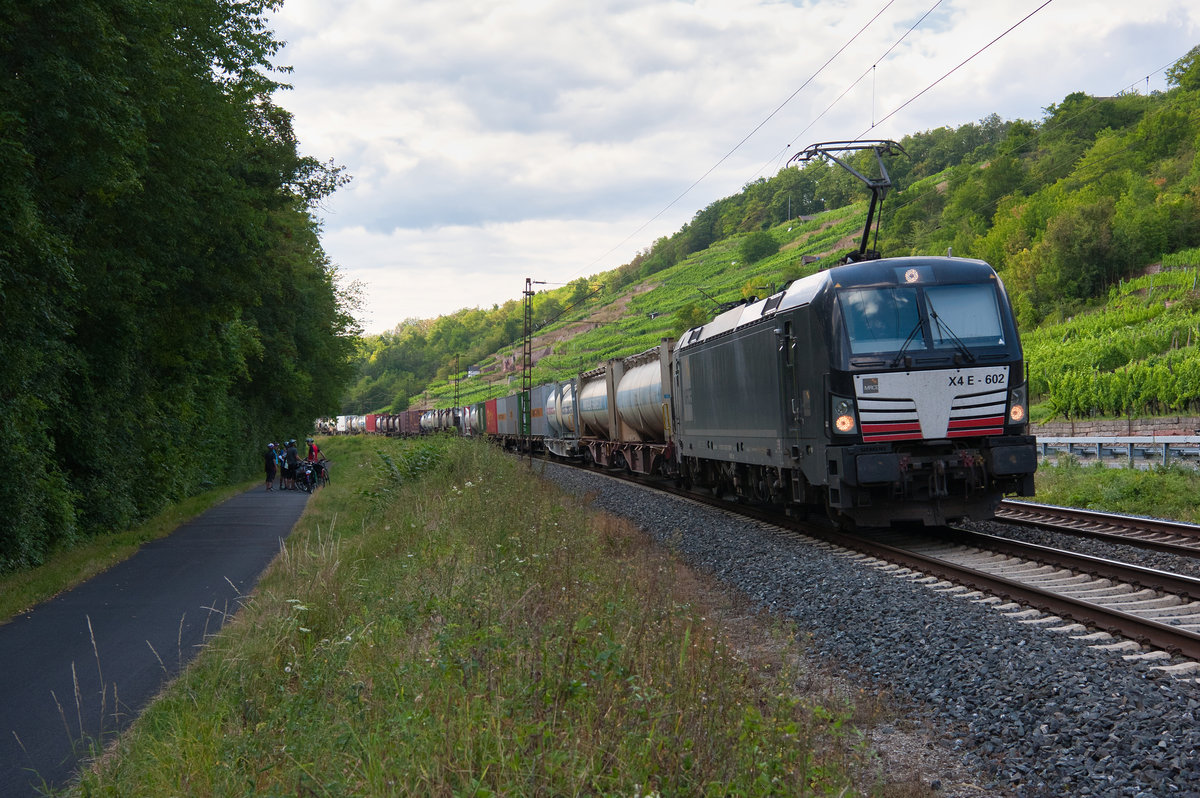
{"points": [[909, 311]]}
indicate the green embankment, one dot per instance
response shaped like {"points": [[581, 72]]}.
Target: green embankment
{"points": [[441, 622]]}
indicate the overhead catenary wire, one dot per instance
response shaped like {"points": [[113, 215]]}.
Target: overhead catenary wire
{"points": [[744, 139], [969, 58], [854, 83], [808, 81], [1033, 141]]}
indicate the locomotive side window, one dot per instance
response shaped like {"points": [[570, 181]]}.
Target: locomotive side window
{"points": [[969, 312], [882, 319]]}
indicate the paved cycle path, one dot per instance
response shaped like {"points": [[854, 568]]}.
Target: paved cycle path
{"points": [[82, 666]]}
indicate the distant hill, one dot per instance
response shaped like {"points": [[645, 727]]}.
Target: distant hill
{"points": [[1066, 209]]}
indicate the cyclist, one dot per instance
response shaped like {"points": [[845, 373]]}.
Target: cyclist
{"points": [[270, 464], [293, 460]]}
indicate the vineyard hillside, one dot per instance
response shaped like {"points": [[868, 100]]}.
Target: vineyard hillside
{"points": [[1091, 216], [1136, 353]]}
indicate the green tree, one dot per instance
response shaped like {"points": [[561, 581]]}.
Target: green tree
{"points": [[1185, 73], [688, 316], [165, 303], [756, 246]]}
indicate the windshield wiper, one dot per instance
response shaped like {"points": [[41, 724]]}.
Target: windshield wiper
{"points": [[900, 355], [958, 344]]}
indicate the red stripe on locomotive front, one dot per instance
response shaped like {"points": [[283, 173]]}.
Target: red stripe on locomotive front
{"points": [[873, 429], [965, 423]]}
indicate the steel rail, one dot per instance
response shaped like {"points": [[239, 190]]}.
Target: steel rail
{"points": [[1118, 622], [1152, 578], [1106, 526]]}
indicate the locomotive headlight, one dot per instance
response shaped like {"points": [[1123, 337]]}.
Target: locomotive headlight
{"points": [[1017, 405], [843, 415]]}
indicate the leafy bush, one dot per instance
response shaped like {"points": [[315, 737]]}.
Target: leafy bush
{"points": [[757, 246]]}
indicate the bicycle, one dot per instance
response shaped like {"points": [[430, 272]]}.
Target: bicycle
{"points": [[306, 480]]}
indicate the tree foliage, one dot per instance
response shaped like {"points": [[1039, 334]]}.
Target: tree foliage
{"points": [[757, 245], [164, 301]]}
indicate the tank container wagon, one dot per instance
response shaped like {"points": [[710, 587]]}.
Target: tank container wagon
{"points": [[475, 419], [618, 414], [563, 422]]}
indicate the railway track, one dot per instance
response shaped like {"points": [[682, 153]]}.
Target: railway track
{"points": [[1027, 698], [1145, 606], [1149, 533], [1149, 607]]}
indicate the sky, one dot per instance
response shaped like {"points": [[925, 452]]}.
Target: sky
{"points": [[490, 141]]}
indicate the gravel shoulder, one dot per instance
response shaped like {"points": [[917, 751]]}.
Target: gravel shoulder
{"points": [[989, 706]]}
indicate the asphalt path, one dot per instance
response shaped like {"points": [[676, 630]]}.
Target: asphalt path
{"points": [[79, 668]]}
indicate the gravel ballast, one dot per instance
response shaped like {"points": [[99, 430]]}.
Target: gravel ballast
{"points": [[1032, 712]]}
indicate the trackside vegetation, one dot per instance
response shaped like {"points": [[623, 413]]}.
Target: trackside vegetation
{"points": [[1136, 353], [1158, 492], [442, 622]]}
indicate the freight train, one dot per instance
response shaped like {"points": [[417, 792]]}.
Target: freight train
{"points": [[879, 391]]}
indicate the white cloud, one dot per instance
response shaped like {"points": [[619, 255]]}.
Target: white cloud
{"points": [[493, 141], [408, 273]]}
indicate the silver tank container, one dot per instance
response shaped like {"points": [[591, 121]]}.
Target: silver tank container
{"points": [[640, 400], [551, 412], [566, 408], [593, 406]]}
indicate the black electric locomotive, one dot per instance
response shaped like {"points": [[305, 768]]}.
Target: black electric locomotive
{"points": [[885, 390]]}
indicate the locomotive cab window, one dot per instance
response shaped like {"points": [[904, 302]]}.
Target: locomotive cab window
{"points": [[966, 312], [882, 319]]}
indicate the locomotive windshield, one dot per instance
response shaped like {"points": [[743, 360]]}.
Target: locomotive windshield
{"points": [[882, 319], [964, 315], [913, 319]]}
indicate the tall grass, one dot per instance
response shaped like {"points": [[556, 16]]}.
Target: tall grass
{"points": [[444, 623], [1161, 491]]}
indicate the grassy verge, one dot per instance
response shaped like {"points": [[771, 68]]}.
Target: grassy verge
{"points": [[67, 568], [1161, 492], [443, 623]]}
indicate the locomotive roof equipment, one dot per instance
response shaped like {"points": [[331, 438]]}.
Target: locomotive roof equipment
{"points": [[879, 185]]}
